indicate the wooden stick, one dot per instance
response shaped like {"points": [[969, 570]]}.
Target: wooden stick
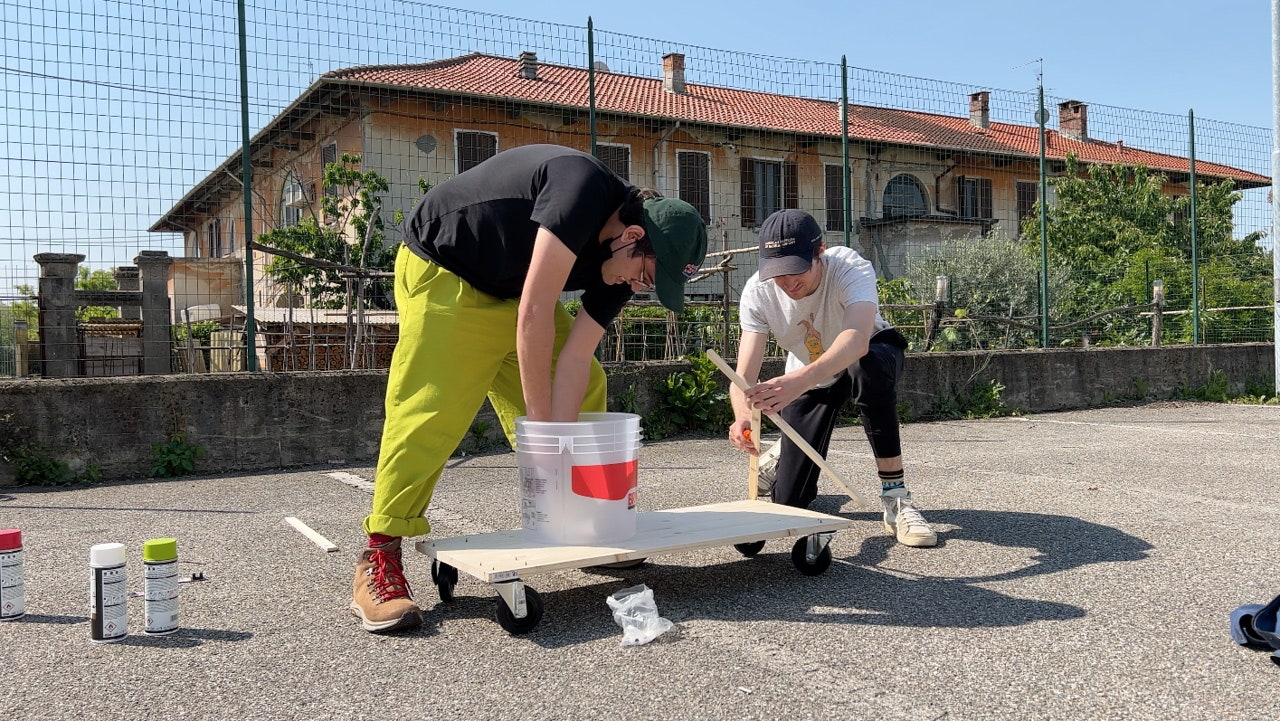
{"points": [[753, 467], [316, 538], [790, 432]]}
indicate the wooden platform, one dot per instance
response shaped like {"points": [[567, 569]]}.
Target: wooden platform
{"points": [[509, 555]]}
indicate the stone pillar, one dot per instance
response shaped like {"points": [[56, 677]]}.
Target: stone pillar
{"points": [[153, 267], [59, 342], [127, 278]]}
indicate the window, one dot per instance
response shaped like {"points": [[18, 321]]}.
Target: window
{"points": [[904, 197], [617, 158], [973, 197], [1027, 192], [328, 154], [475, 148], [834, 182], [292, 200], [767, 186], [213, 237], [693, 171]]}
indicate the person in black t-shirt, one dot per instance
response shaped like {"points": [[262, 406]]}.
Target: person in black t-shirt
{"points": [[477, 287]]}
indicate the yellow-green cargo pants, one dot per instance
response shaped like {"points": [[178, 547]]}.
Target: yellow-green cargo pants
{"points": [[456, 346]]}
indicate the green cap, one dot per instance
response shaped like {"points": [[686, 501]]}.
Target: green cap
{"points": [[679, 238], [160, 549]]}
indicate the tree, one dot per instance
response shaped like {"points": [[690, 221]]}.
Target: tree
{"points": [[1117, 230], [96, 280], [351, 234], [989, 276]]}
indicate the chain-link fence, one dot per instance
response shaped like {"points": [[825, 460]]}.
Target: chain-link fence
{"points": [[123, 205]]}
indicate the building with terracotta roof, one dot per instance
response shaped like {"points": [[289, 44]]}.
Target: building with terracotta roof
{"points": [[917, 179]]}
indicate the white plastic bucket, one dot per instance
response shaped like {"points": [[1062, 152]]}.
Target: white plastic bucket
{"points": [[578, 479]]}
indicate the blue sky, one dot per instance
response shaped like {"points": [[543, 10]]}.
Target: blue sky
{"points": [[1166, 56]]}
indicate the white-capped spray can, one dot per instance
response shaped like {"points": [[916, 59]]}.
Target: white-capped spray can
{"points": [[12, 592], [160, 586], [108, 593]]}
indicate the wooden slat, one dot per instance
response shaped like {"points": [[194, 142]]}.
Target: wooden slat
{"points": [[507, 555], [790, 432]]}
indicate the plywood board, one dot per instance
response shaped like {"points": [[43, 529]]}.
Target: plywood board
{"points": [[508, 555]]}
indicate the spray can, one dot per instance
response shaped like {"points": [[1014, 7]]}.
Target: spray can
{"points": [[160, 585], [12, 593], [108, 593]]}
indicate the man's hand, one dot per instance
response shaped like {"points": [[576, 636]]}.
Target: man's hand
{"points": [[773, 395], [740, 437]]}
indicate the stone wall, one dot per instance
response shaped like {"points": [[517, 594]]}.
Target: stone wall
{"points": [[256, 421]]}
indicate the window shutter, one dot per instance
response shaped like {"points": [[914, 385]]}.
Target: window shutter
{"points": [[835, 197], [747, 181], [790, 185], [984, 198], [960, 195], [328, 154]]}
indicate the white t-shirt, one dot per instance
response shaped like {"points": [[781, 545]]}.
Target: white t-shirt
{"points": [[806, 327]]}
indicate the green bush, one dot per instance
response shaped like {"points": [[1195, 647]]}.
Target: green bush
{"points": [[175, 458], [691, 400]]}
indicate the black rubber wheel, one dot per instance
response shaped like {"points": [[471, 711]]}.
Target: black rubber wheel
{"points": [[516, 626], [445, 577], [751, 549], [799, 557]]}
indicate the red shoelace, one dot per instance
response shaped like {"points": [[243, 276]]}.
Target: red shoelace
{"points": [[388, 575]]}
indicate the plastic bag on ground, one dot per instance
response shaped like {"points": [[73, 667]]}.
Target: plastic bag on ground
{"points": [[636, 612]]}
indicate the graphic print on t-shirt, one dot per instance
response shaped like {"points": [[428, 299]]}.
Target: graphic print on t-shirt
{"points": [[812, 339]]}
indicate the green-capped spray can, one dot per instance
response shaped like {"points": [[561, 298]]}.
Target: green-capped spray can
{"points": [[160, 586]]}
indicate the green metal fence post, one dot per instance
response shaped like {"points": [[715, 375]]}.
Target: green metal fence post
{"points": [[844, 143], [591, 82], [1041, 116], [246, 182], [1195, 251]]}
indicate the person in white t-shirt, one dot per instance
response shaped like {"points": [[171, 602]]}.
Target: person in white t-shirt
{"points": [[821, 305]]}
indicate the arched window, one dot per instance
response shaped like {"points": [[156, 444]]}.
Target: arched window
{"points": [[904, 197], [292, 200]]}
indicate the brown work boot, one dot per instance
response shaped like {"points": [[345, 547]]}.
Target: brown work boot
{"points": [[380, 595]]}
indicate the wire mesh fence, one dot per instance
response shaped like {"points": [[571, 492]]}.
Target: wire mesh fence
{"points": [[122, 195]]}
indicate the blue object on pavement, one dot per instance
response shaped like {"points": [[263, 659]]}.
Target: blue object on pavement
{"points": [[1242, 626]]}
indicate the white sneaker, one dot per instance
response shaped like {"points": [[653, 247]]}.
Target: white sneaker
{"points": [[768, 469], [904, 521]]}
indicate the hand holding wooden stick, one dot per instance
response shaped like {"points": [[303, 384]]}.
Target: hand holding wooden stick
{"points": [[788, 431]]}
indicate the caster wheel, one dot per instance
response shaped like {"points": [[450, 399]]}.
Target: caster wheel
{"points": [[749, 549], [800, 557], [516, 626], [445, 577]]}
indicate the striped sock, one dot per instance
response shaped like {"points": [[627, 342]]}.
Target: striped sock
{"points": [[891, 480]]}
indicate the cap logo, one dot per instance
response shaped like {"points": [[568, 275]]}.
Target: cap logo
{"points": [[690, 270], [780, 243]]}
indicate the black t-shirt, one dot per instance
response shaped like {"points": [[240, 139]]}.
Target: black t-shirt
{"points": [[481, 224]]}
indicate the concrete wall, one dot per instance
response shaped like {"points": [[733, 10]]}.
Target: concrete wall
{"points": [[260, 421]]}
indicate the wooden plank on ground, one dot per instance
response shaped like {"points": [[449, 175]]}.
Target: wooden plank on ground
{"points": [[307, 531]]}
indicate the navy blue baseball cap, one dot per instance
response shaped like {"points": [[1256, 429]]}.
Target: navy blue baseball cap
{"points": [[788, 240]]}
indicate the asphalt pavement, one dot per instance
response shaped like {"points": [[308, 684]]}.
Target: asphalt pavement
{"points": [[1086, 568]]}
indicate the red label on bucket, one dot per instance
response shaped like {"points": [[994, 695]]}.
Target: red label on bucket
{"points": [[607, 482]]}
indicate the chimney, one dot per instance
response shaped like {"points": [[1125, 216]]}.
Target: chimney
{"points": [[673, 73], [529, 65], [1073, 120], [980, 109]]}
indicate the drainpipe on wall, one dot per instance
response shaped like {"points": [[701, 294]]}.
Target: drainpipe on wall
{"points": [[658, 175]]}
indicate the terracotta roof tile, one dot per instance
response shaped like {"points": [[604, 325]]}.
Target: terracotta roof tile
{"points": [[496, 77]]}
